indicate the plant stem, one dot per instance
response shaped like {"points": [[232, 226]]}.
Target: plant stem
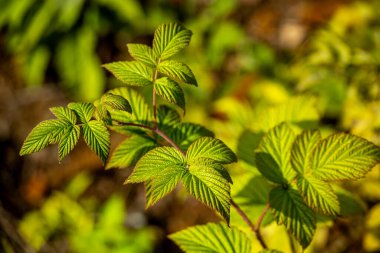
{"points": [[254, 228], [160, 133]]}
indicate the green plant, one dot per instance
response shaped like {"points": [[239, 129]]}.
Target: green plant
{"points": [[299, 165]]}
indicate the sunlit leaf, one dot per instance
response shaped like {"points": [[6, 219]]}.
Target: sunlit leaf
{"points": [[211, 148], [178, 71], [290, 210], [129, 151], [344, 157], [85, 111], [169, 39], [154, 162], [97, 137], [41, 135], [273, 157], [302, 150], [116, 102], [318, 194], [212, 238], [142, 53], [170, 91], [68, 141], [210, 186], [64, 113], [131, 72]]}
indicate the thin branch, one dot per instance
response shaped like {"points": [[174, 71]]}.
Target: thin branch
{"points": [[261, 218], [254, 228], [170, 141]]}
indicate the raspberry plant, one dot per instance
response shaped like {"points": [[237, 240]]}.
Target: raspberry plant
{"points": [[300, 166]]}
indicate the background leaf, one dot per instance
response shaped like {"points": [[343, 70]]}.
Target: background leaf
{"points": [[212, 238]]}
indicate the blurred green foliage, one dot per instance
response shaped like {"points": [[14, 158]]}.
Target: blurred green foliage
{"points": [[63, 220]]}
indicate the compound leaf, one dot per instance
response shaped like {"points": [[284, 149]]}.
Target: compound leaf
{"points": [[131, 72], [169, 39], [209, 186], [154, 162], [129, 151], [85, 111], [97, 137], [170, 91], [41, 135], [344, 157], [289, 209], [302, 150], [277, 144], [212, 238], [211, 148], [68, 141], [116, 102], [64, 113], [177, 71], [318, 194], [142, 53]]}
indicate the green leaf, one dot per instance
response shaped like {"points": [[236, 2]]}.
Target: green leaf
{"points": [[277, 144], [183, 134], [41, 135], [85, 111], [154, 162], [142, 53], [141, 113], [163, 184], [212, 238], [129, 151], [131, 72], [211, 148], [116, 102], [302, 150], [269, 168], [344, 157], [64, 113], [350, 204], [177, 71], [210, 186], [170, 91], [169, 39], [97, 137], [289, 209], [167, 117], [318, 194], [68, 141]]}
